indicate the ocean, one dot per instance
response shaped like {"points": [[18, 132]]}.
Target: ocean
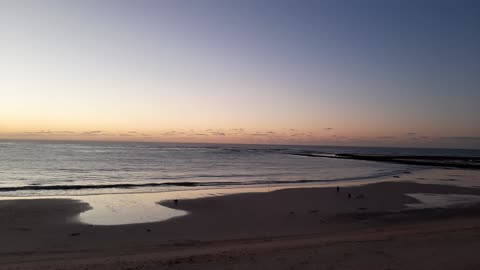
{"points": [[62, 168]]}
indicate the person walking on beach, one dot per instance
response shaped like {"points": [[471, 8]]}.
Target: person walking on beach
{"points": [[338, 189]]}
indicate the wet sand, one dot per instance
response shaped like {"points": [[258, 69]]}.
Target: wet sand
{"points": [[302, 228]]}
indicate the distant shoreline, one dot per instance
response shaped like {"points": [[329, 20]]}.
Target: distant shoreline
{"points": [[434, 161]]}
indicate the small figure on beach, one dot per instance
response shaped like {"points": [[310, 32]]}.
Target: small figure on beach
{"points": [[338, 189], [175, 202], [349, 195]]}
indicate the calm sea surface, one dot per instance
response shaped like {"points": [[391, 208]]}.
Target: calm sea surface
{"points": [[32, 168]]}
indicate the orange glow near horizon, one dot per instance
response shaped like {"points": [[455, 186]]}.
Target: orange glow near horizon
{"points": [[323, 136]]}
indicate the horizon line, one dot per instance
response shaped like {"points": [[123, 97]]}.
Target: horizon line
{"points": [[216, 143]]}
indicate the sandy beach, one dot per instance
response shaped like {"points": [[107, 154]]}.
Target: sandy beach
{"points": [[297, 228]]}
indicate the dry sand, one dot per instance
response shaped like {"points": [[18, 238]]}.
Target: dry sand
{"points": [[310, 228]]}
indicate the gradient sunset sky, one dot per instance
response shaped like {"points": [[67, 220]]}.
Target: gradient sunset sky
{"points": [[386, 73]]}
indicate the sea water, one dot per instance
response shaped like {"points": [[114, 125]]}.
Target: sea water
{"points": [[41, 168]]}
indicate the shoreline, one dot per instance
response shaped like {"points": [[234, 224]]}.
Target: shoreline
{"points": [[205, 185], [142, 207]]}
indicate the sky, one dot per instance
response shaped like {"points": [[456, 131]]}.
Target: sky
{"points": [[383, 73]]}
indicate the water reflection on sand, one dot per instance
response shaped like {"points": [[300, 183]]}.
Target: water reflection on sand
{"points": [[431, 200]]}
